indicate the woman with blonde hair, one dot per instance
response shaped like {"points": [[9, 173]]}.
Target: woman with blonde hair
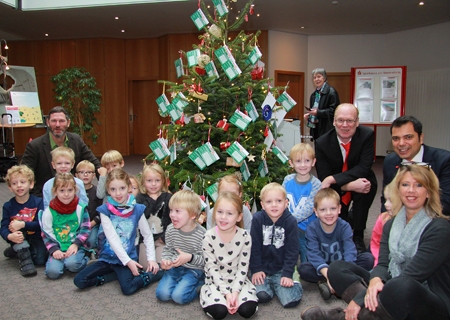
{"points": [[412, 278]]}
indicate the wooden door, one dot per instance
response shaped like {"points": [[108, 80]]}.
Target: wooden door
{"points": [[296, 89], [341, 82], [143, 114]]}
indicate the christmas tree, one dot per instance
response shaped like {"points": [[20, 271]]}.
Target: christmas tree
{"points": [[223, 113]]}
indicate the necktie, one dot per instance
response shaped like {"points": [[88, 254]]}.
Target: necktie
{"points": [[346, 197]]}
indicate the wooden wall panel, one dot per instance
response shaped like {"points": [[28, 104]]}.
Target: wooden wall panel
{"points": [[54, 57], [142, 59], [115, 97], [97, 57], [68, 55], [21, 53], [101, 146], [82, 53], [41, 58]]}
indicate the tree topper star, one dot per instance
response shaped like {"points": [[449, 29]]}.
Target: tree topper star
{"points": [[251, 157]]}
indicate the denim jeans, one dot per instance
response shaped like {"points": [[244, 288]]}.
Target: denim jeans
{"points": [[54, 268], [179, 284], [101, 272], [37, 249], [302, 245], [93, 238], [288, 296]]}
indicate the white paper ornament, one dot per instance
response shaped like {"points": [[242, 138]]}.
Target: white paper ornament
{"points": [[215, 31], [203, 60]]}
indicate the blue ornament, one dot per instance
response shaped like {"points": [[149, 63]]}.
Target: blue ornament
{"points": [[267, 112]]}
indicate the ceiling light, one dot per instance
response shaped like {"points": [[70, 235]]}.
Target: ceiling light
{"points": [[46, 34], [421, 3], [117, 18], [123, 31]]}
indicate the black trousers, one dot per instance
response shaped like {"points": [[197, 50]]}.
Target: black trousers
{"points": [[402, 297]]}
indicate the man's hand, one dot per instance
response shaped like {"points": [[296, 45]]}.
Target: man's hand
{"points": [[361, 185], [328, 181]]}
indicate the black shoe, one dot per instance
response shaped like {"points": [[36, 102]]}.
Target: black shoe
{"points": [[10, 253], [27, 268], [324, 289], [360, 246]]}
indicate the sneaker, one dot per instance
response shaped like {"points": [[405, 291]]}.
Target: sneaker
{"points": [[27, 268], [324, 289], [10, 253], [360, 245]]}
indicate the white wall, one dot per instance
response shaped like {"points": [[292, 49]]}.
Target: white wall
{"points": [[421, 50]]}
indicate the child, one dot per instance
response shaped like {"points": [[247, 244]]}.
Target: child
{"points": [[156, 199], [381, 220], [231, 183], [329, 238], [86, 173], [275, 249], [226, 249], [63, 160], [20, 225], [301, 187], [135, 186], [110, 160], [182, 257], [120, 217], [65, 228]]}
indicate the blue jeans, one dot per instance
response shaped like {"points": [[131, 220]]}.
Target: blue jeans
{"points": [[302, 245], [93, 238], [289, 297], [54, 268], [101, 272], [179, 284]]}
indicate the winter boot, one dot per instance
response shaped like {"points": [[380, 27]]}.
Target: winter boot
{"points": [[352, 290], [27, 268], [319, 313], [324, 289], [10, 253]]}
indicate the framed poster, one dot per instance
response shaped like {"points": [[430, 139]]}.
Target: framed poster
{"points": [[379, 93]]}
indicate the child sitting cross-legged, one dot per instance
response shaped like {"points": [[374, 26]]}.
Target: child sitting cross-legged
{"points": [[329, 238], [182, 257], [120, 217]]}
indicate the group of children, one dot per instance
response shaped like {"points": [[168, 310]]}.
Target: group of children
{"points": [[141, 233]]}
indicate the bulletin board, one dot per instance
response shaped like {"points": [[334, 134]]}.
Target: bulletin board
{"points": [[379, 93]]}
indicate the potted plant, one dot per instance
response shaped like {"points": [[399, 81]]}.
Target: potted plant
{"points": [[76, 90]]}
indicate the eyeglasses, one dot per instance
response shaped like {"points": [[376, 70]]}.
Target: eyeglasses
{"points": [[408, 163], [85, 173], [349, 121]]}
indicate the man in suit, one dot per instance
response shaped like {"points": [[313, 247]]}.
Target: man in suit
{"points": [[37, 152], [349, 172], [407, 140]]}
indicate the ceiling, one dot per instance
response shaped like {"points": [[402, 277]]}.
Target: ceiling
{"points": [[318, 17]]}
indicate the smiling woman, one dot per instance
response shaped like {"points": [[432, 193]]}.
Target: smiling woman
{"points": [[411, 254]]}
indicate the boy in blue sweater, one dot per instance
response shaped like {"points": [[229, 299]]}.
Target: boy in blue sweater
{"points": [[274, 251], [301, 187], [329, 238]]}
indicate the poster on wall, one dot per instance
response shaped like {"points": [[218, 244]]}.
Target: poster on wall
{"points": [[379, 93]]}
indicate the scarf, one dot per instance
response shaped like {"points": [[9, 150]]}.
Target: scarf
{"points": [[120, 209], [62, 208], [404, 239]]}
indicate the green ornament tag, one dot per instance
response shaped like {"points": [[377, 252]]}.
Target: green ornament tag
{"points": [[174, 112], [240, 120], [162, 102], [211, 70], [192, 57], [251, 110], [280, 154], [197, 159], [173, 152], [254, 56], [263, 169], [245, 171], [286, 101], [179, 67], [199, 19], [237, 152], [159, 148], [220, 7], [213, 191], [208, 154], [231, 69]]}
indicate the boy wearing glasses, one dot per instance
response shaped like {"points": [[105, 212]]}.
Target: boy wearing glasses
{"points": [[86, 173], [344, 162], [63, 160]]}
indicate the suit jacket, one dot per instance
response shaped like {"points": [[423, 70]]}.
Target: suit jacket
{"points": [[329, 100], [360, 159], [438, 159], [38, 158]]}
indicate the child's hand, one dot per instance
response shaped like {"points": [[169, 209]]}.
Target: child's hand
{"points": [[16, 237], [58, 255], [152, 266], [102, 171], [258, 278], [71, 251], [16, 225], [166, 264], [286, 282], [232, 302], [93, 223], [182, 258], [134, 267]]}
